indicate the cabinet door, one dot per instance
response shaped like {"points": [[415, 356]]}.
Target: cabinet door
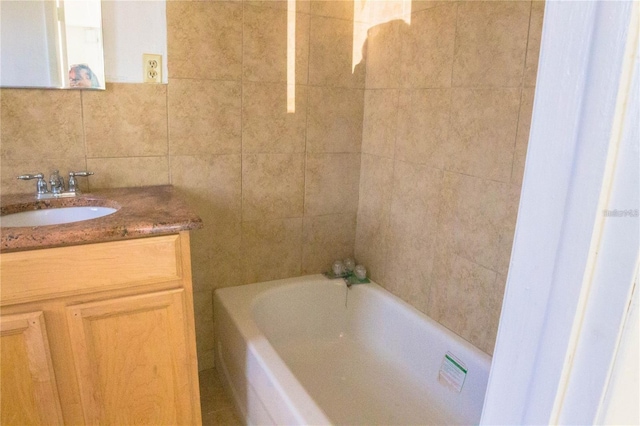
{"points": [[27, 383], [132, 360]]}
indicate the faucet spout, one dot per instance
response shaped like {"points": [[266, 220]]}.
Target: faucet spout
{"points": [[57, 182]]}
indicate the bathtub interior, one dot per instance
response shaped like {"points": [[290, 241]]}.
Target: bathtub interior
{"points": [[365, 356]]}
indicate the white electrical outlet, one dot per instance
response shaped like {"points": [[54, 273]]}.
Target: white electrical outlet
{"points": [[152, 68]]}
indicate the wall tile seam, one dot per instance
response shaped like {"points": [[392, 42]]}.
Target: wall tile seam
{"points": [[84, 131], [475, 262], [342, 212], [427, 166], [250, 153], [168, 123], [452, 86], [315, 15], [455, 44], [119, 157], [331, 152], [328, 86], [377, 155], [305, 187], [228, 80], [271, 152], [526, 46], [387, 222], [207, 156], [510, 182], [242, 79], [329, 215], [515, 141], [306, 13], [447, 170]]}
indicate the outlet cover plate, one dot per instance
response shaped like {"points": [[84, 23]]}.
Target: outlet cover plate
{"points": [[152, 68]]}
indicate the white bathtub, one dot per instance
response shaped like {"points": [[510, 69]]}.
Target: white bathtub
{"points": [[310, 351]]}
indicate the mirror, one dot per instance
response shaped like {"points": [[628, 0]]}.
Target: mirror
{"points": [[51, 44]]}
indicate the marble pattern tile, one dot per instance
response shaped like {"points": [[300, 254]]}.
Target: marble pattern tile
{"points": [[216, 405], [215, 256], [413, 226], [206, 358], [466, 298], [204, 40], [428, 48], [128, 171], [203, 305], [522, 138], [332, 182], [371, 244], [212, 185], [533, 46], [271, 249], [267, 127], [423, 126], [41, 122], [272, 186], [380, 122], [341, 9], [477, 220], [265, 45], [302, 6], [419, 5], [334, 120], [383, 53], [491, 42], [204, 117], [482, 132], [204, 335], [126, 120], [376, 186], [325, 239], [330, 54]]}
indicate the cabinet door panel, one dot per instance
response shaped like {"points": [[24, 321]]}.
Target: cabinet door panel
{"points": [[131, 359], [27, 383]]}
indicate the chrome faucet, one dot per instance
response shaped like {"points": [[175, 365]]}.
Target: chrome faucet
{"points": [[73, 185], [57, 184], [41, 184]]}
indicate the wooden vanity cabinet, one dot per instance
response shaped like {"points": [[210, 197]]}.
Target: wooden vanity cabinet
{"points": [[99, 334]]}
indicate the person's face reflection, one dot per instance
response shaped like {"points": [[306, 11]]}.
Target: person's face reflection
{"points": [[79, 78]]}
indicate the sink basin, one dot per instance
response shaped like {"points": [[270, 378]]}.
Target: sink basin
{"points": [[54, 216]]}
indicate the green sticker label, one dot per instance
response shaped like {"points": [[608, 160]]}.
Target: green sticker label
{"points": [[452, 372]]}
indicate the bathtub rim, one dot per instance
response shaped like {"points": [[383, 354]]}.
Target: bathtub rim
{"points": [[306, 411]]}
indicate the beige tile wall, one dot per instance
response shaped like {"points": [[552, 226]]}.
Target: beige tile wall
{"points": [[426, 151], [448, 104], [278, 191]]}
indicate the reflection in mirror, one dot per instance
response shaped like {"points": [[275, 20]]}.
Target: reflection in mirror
{"points": [[51, 44]]}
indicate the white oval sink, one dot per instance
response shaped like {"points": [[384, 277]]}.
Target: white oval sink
{"points": [[54, 216]]}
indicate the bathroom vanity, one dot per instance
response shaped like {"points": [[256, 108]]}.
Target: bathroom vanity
{"points": [[97, 322]]}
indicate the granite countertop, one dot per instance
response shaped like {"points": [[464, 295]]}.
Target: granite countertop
{"points": [[143, 211]]}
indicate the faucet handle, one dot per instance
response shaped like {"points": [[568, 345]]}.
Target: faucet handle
{"points": [[41, 185], [31, 176], [72, 180], [71, 174]]}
